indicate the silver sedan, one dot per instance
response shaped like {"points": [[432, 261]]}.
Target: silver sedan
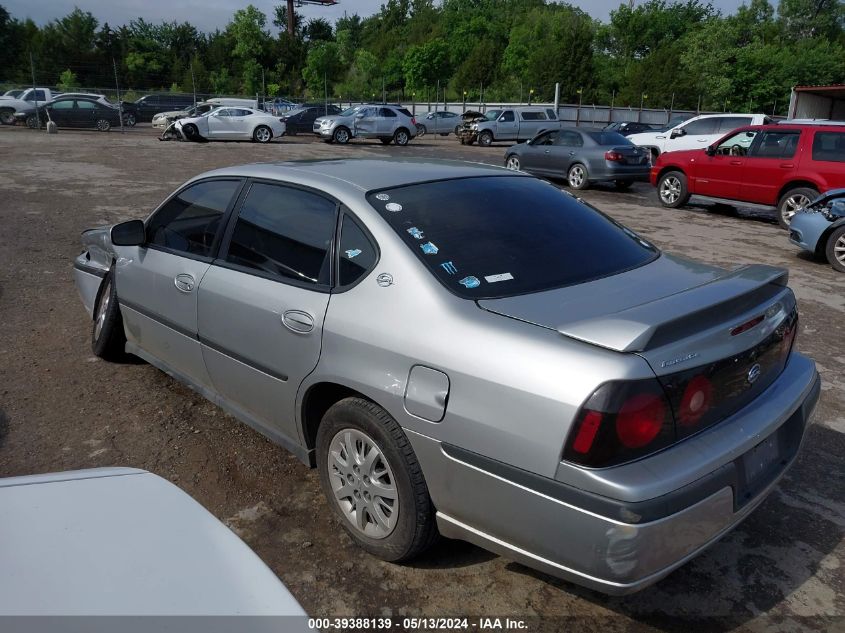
{"points": [[468, 351], [227, 124]]}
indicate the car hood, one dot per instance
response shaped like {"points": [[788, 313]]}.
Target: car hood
{"points": [[682, 155], [125, 542], [654, 305]]}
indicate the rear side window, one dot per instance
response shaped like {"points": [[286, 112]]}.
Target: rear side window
{"points": [[85, 105], [702, 126], [730, 123], [387, 112], [551, 114], [357, 254], [533, 116], [776, 144], [570, 139], [188, 222], [284, 233], [829, 146], [500, 236], [406, 112]]}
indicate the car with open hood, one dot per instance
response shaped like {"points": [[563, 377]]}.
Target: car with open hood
{"points": [[819, 228], [231, 124], [467, 350]]}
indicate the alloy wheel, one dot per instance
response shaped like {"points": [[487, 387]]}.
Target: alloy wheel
{"points": [[341, 136], [839, 250], [670, 190], [103, 125], [792, 205], [102, 310], [363, 483], [512, 163], [262, 135], [402, 138], [576, 176]]}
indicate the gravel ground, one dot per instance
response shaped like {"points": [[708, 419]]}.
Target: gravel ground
{"points": [[61, 408]]}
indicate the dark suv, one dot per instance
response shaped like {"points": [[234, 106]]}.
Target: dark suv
{"points": [[785, 165], [301, 119], [148, 106]]}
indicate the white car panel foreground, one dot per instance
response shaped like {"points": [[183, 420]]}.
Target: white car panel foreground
{"points": [[229, 124], [125, 542], [696, 133]]}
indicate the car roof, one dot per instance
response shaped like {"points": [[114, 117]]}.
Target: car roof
{"points": [[364, 174]]}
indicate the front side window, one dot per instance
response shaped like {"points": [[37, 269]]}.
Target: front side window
{"points": [[547, 138], [357, 254], [507, 117], [829, 146], [62, 105], [285, 233], [500, 236], [737, 144], [189, 222]]}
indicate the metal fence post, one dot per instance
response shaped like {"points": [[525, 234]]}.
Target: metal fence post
{"points": [[119, 102]]}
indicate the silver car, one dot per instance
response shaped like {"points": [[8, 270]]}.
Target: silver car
{"points": [[440, 122], [388, 123], [467, 350]]}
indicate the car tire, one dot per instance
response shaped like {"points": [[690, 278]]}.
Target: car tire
{"points": [[262, 134], [457, 130], [191, 132], [7, 117], [421, 130], [107, 336], [672, 190], [791, 202], [341, 135], [386, 140], [485, 138], [835, 249], [401, 137], [623, 185], [512, 162], [577, 177], [130, 120], [103, 125], [355, 424], [32, 122]]}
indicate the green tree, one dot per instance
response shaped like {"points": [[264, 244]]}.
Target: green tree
{"points": [[250, 39], [67, 81], [426, 64], [323, 67]]}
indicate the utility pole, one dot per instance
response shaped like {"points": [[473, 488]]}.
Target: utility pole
{"points": [[117, 89], [34, 89], [194, 83]]}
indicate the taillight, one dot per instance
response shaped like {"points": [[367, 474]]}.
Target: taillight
{"points": [[696, 401], [413, 121], [621, 421], [613, 156]]}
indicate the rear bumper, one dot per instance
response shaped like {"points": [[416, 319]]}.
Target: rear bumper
{"points": [[611, 546], [637, 173]]}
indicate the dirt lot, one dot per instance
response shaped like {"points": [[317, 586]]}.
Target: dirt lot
{"points": [[61, 408]]}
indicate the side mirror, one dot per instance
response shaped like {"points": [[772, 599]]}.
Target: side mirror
{"points": [[711, 150], [131, 233], [529, 141], [677, 133]]}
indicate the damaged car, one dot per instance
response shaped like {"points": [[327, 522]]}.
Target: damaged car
{"points": [[466, 350], [231, 124]]}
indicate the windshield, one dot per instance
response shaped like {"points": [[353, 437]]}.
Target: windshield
{"points": [[492, 115], [500, 236], [609, 137], [350, 111]]}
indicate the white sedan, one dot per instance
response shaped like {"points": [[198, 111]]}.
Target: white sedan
{"points": [[228, 123]]}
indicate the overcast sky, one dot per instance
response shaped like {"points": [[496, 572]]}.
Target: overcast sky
{"points": [[208, 15]]}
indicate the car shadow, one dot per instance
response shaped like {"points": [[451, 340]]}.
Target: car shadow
{"points": [[4, 427], [746, 575], [451, 554]]}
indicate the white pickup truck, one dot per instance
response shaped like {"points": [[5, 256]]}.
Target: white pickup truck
{"points": [[27, 99]]}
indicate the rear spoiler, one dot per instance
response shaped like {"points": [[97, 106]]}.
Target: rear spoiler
{"points": [[659, 322]]}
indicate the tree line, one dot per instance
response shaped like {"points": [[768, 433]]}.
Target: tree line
{"points": [[658, 53]]}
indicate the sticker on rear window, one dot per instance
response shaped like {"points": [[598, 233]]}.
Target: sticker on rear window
{"points": [[382, 196], [491, 279], [449, 267], [353, 252], [416, 233], [393, 207], [470, 282], [429, 249]]}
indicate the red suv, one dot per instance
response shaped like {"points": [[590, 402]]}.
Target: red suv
{"points": [[784, 165]]}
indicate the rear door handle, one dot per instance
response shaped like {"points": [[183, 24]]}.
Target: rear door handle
{"points": [[184, 282], [572, 153], [298, 321], [787, 165], [736, 162]]}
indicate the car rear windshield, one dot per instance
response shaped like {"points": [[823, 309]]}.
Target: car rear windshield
{"points": [[500, 236]]}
